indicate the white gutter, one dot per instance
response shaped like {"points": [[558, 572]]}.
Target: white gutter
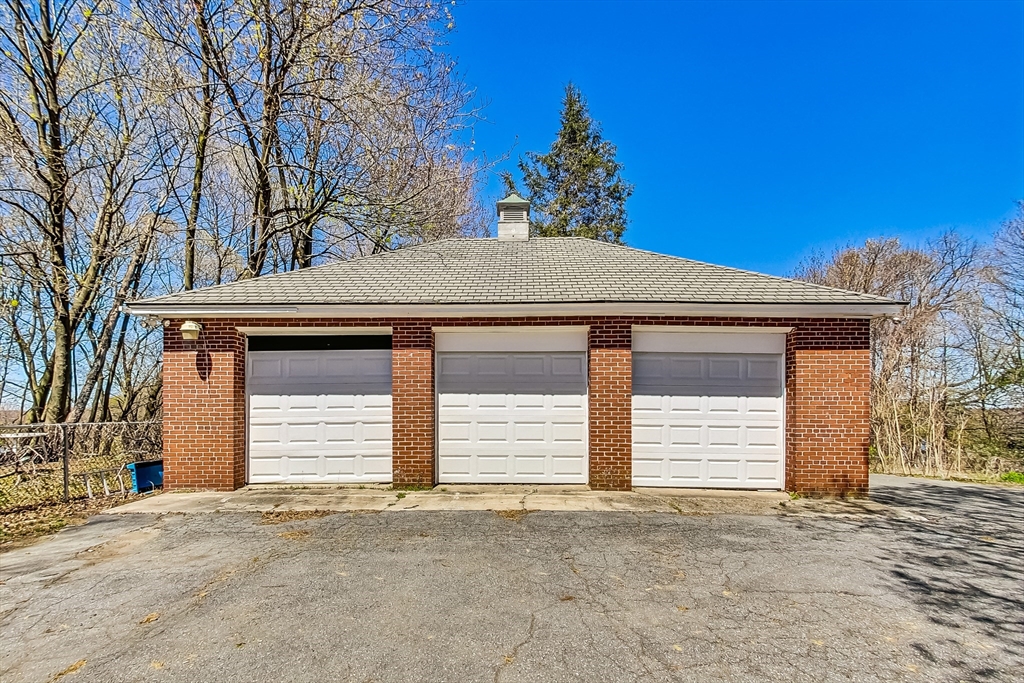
{"points": [[765, 310]]}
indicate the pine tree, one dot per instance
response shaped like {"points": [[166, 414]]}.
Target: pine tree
{"points": [[576, 189]]}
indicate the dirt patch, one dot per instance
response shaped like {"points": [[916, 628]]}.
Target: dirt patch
{"points": [[282, 516], [512, 515], [23, 525]]}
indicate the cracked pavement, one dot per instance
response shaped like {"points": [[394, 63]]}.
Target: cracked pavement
{"points": [[922, 583]]}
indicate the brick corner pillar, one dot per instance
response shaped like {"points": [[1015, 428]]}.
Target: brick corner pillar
{"points": [[204, 408], [412, 392], [611, 405], [828, 408]]}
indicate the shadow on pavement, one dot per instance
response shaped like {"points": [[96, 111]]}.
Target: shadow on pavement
{"points": [[964, 564]]}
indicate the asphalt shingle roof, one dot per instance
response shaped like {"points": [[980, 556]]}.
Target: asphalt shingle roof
{"points": [[539, 270]]}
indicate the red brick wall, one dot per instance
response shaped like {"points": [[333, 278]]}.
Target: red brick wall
{"points": [[827, 389], [204, 408], [412, 392], [610, 402], [828, 409]]}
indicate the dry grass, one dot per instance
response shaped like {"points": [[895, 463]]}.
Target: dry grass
{"points": [[512, 515], [282, 516], [22, 525], [296, 535]]}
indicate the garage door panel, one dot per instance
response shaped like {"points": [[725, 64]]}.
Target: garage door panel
{"points": [[728, 369], [724, 436], [684, 436], [497, 464], [766, 437], [260, 368], [492, 432], [512, 417], [761, 470], [302, 368], [510, 373], [683, 470], [647, 435], [528, 401], [452, 432], [702, 419], [320, 416], [568, 432], [528, 432], [569, 366], [526, 465], [723, 470]]}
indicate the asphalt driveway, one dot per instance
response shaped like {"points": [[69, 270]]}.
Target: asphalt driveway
{"points": [[924, 584]]}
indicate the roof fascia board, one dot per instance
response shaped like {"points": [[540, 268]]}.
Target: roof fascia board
{"points": [[765, 310]]}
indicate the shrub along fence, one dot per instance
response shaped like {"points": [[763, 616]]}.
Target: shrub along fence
{"points": [[42, 463]]}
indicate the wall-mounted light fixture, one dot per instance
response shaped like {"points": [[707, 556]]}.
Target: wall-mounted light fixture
{"points": [[190, 330]]}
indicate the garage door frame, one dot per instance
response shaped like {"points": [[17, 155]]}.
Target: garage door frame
{"points": [[511, 339], [249, 331], [725, 340]]}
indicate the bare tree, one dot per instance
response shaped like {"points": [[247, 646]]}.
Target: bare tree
{"points": [[940, 371], [83, 187]]}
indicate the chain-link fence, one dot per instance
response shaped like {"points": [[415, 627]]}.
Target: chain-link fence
{"points": [[42, 463]]}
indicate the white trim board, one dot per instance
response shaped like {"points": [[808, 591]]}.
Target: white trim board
{"points": [[311, 331], [867, 310], [552, 338], [669, 340]]}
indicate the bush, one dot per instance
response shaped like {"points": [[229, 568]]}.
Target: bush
{"points": [[1014, 477]]}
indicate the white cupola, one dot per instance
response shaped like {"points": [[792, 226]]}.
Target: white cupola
{"points": [[513, 218]]}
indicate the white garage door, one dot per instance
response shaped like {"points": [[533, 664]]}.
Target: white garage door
{"points": [[711, 420], [507, 417], [319, 416]]}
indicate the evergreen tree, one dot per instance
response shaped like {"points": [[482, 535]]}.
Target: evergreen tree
{"points": [[576, 189]]}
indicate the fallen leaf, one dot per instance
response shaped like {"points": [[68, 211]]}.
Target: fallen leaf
{"points": [[567, 598], [682, 608], [677, 647], [818, 642], [726, 593], [150, 618], [156, 665], [988, 539]]}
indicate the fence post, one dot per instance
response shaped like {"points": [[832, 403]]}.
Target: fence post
{"points": [[67, 471]]}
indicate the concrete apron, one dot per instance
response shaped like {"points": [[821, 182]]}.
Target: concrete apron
{"points": [[454, 497]]}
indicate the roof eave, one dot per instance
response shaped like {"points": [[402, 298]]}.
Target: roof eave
{"points": [[428, 310]]}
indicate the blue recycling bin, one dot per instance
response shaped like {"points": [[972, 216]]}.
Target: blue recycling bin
{"points": [[146, 476]]}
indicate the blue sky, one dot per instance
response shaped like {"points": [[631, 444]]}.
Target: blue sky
{"points": [[759, 132]]}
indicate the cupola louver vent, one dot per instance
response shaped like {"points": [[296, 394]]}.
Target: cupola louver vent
{"points": [[513, 218]]}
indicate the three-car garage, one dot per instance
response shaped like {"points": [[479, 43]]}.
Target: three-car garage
{"points": [[708, 407]]}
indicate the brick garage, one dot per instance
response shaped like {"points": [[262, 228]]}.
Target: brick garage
{"points": [[827, 397], [790, 411]]}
